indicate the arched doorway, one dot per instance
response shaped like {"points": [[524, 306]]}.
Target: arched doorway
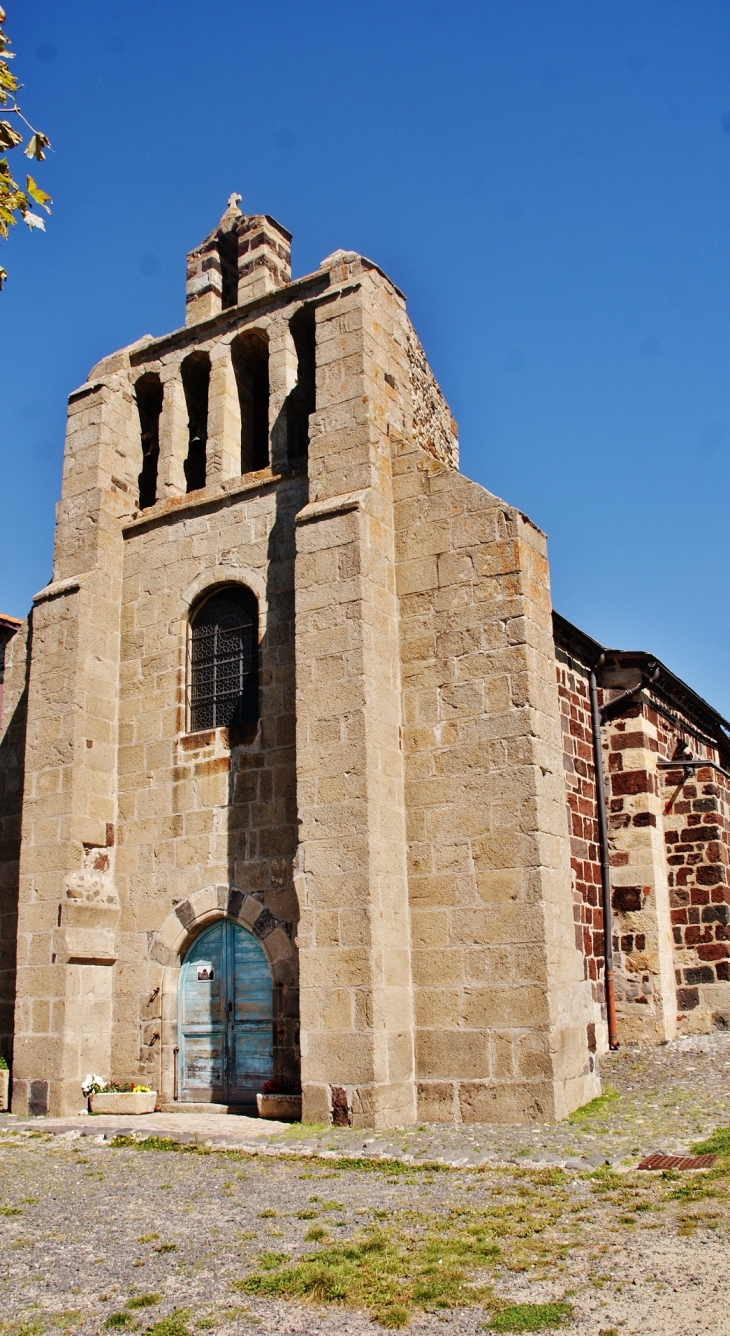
{"points": [[225, 1017]]}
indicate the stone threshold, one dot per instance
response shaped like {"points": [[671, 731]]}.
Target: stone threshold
{"points": [[238, 1110]]}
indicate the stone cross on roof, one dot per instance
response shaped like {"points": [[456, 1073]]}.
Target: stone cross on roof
{"points": [[234, 200]]}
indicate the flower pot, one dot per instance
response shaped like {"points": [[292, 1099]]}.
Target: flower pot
{"points": [[4, 1088], [123, 1101], [286, 1108]]}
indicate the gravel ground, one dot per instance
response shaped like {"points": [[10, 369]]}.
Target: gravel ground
{"points": [[86, 1226]]}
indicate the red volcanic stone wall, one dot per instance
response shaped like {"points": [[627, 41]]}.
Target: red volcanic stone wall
{"points": [[580, 780], [669, 835], [697, 836]]}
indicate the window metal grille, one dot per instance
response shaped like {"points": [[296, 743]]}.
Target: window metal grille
{"points": [[224, 661]]}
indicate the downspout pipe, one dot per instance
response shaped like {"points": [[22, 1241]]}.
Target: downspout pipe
{"points": [[598, 716], [605, 866]]}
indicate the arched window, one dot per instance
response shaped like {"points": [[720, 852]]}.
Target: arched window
{"points": [[223, 675], [195, 372], [250, 355], [301, 403]]}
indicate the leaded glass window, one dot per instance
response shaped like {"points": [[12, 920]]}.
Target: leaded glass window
{"points": [[224, 661]]}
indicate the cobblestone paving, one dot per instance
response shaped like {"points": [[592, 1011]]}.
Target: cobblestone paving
{"points": [[88, 1228]]}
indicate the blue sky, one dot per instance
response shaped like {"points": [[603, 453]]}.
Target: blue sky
{"points": [[547, 180]]}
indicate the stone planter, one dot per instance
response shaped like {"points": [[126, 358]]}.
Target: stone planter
{"points": [[285, 1108], [123, 1101], [4, 1088]]}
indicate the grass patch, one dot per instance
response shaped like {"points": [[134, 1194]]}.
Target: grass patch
{"points": [[166, 1247], [606, 1180], [303, 1130], [33, 1327], [269, 1260], [148, 1143], [143, 1301], [388, 1273], [597, 1106], [10, 1210], [373, 1166], [147, 1238], [695, 1189], [547, 1178], [530, 1317], [718, 1143], [117, 1321], [396, 1315], [175, 1324], [316, 1234]]}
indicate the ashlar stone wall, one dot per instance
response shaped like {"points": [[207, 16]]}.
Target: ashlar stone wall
{"points": [[502, 1009]]}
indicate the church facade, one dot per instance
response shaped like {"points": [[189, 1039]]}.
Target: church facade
{"points": [[298, 769]]}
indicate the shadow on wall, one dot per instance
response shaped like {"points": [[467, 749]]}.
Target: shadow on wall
{"points": [[262, 811], [12, 769]]}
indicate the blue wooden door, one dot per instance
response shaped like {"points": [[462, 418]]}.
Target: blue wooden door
{"points": [[225, 1017]]}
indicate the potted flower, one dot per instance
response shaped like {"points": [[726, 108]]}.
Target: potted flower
{"points": [[118, 1097], [275, 1101], [4, 1084]]}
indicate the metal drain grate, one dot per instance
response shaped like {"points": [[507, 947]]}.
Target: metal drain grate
{"points": [[659, 1161]]}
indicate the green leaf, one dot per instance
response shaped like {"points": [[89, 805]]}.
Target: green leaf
{"points": [[37, 194], [9, 137]]}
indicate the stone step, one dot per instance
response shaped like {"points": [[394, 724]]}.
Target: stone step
{"points": [[246, 1110]]}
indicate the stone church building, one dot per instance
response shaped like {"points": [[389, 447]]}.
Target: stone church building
{"points": [[302, 781]]}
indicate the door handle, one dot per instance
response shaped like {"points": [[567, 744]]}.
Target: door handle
{"points": [[230, 1008]]}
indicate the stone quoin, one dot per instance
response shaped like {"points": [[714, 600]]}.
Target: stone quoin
{"points": [[297, 780]]}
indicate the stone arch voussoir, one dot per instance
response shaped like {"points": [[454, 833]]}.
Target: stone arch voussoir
{"points": [[187, 919]]}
